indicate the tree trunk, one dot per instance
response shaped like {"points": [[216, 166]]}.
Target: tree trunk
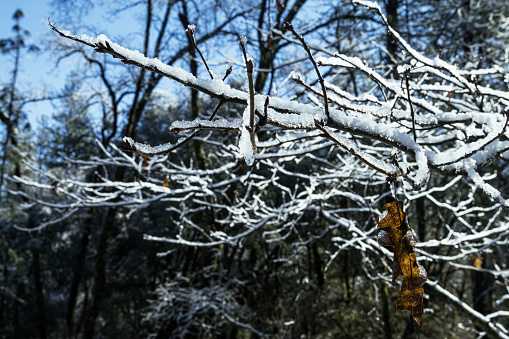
{"points": [[76, 281], [483, 283], [421, 218], [386, 315], [39, 295], [269, 49], [391, 7], [99, 289]]}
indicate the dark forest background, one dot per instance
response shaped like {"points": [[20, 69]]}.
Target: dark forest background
{"points": [[79, 260]]}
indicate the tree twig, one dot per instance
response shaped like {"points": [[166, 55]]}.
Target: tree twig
{"points": [[288, 27], [249, 69], [190, 33]]}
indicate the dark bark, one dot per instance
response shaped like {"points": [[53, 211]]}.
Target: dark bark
{"points": [[483, 285], [391, 7], [99, 288], [318, 264], [199, 153], [5, 280], [269, 49], [386, 315], [76, 281], [11, 121], [421, 218], [16, 314], [39, 295], [411, 328], [142, 95], [468, 34]]}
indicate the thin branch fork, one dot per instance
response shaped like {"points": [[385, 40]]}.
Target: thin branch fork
{"points": [[249, 70], [190, 33], [234, 96], [298, 80], [131, 145], [224, 93], [405, 75], [355, 152], [456, 76], [279, 116], [391, 171], [288, 27], [483, 146]]}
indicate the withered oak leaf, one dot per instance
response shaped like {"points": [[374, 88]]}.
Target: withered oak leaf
{"points": [[397, 233], [166, 182]]}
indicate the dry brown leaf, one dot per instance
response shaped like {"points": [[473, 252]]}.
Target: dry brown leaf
{"points": [[166, 182], [476, 260], [397, 234]]}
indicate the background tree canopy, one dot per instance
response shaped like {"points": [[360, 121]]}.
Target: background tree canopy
{"points": [[230, 170]]}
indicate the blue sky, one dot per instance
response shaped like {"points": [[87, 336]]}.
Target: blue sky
{"points": [[35, 73], [38, 71]]}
